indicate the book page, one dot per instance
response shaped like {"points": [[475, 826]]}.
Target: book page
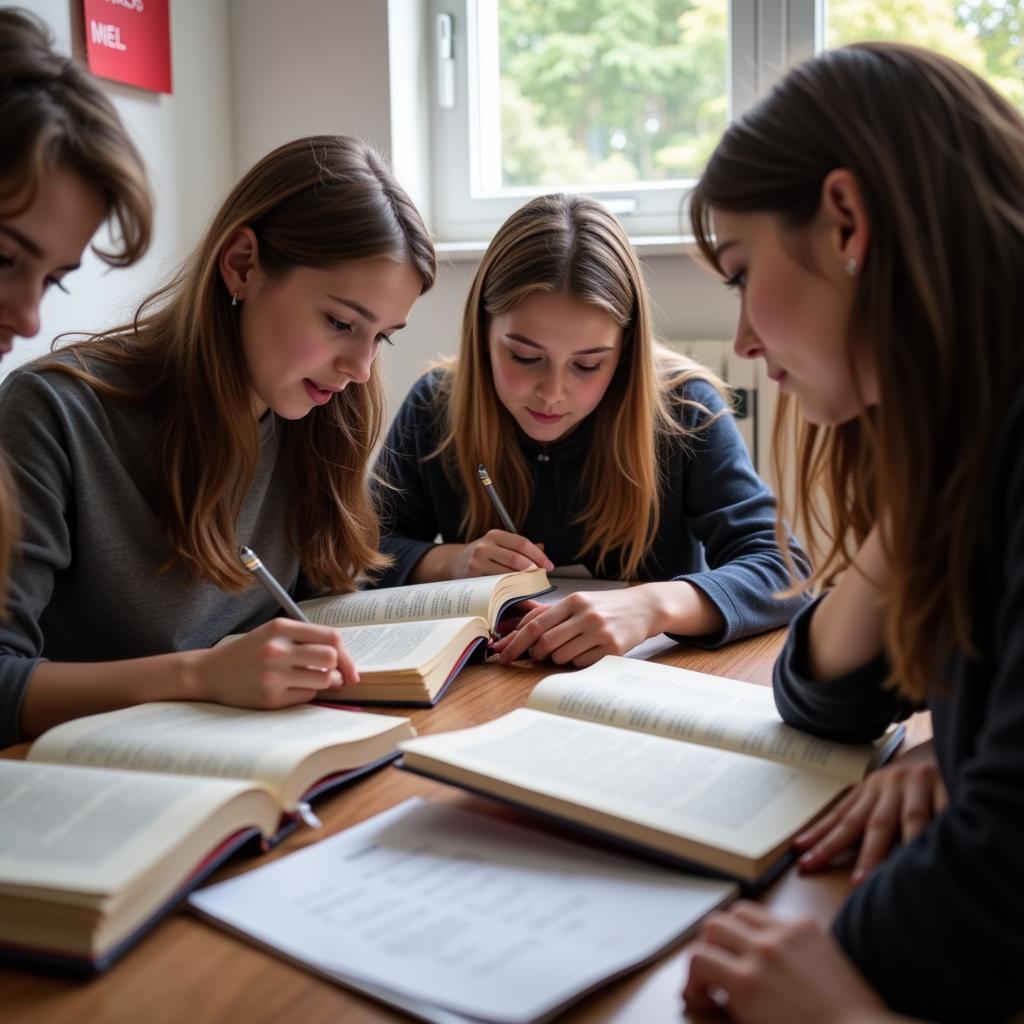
{"points": [[732, 801], [696, 708], [401, 646], [462, 910], [448, 599], [92, 830], [182, 738]]}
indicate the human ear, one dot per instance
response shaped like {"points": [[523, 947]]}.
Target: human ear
{"points": [[845, 214], [238, 258]]}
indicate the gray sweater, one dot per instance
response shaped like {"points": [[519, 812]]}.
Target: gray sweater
{"points": [[86, 586]]}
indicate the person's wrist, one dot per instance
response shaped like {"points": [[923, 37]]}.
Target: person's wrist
{"points": [[189, 680], [665, 604]]}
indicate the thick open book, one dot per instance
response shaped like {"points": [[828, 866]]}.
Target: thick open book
{"points": [[116, 816], [689, 767], [410, 642]]}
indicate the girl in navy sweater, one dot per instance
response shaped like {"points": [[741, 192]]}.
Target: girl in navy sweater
{"points": [[608, 449]]}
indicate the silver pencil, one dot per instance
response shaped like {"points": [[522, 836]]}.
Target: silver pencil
{"points": [[252, 562]]}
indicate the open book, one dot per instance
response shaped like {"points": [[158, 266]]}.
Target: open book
{"points": [[410, 642], [689, 767], [116, 816]]}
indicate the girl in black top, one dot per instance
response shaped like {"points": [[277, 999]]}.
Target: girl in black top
{"points": [[878, 250]]}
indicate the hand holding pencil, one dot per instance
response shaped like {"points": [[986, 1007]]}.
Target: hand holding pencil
{"points": [[285, 661], [498, 551]]}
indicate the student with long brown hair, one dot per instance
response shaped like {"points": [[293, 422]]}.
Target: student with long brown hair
{"points": [[66, 165], [240, 406], [878, 251], [608, 449]]}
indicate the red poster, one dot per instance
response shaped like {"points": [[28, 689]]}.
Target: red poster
{"points": [[130, 41]]}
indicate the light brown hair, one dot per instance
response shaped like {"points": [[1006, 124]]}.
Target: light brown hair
{"points": [[939, 158], [314, 202], [569, 245], [54, 115]]}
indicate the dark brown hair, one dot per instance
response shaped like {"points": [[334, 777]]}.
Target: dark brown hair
{"points": [[54, 114], [939, 157]]}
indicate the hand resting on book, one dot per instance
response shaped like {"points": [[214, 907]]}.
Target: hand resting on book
{"points": [[891, 806]]}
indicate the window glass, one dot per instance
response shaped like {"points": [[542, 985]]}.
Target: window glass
{"points": [[605, 92], [986, 35]]}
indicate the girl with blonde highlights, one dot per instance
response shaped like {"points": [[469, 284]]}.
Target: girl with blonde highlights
{"points": [[240, 406], [609, 450], [870, 213], [66, 165]]}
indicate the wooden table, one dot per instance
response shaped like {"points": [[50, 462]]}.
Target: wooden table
{"points": [[188, 971]]}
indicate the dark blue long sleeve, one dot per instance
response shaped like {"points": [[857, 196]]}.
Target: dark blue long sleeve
{"points": [[717, 516]]}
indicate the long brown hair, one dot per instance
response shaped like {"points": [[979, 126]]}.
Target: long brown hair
{"points": [[54, 115], [939, 157], [571, 245], [314, 202]]}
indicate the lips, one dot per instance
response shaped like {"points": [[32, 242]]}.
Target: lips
{"points": [[542, 417], [320, 394]]}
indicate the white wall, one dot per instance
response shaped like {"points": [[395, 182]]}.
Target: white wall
{"points": [[308, 66], [186, 142]]}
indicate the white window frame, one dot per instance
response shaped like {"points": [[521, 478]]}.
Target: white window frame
{"points": [[765, 37]]}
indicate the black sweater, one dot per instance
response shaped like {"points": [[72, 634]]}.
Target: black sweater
{"points": [[938, 928], [717, 516]]}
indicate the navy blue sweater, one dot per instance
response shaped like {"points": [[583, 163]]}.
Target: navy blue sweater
{"points": [[938, 928], [717, 516]]}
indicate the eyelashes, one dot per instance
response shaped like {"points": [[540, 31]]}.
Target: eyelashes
{"points": [[346, 328], [534, 360], [49, 281]]}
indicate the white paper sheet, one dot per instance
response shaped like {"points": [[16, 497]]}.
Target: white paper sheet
{"points": [[462, 911]]}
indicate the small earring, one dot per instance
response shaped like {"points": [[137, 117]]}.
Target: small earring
{"points": [[851, 266], [234, 298]]}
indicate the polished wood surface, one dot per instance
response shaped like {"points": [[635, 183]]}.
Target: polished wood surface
{"points": [[186, 970]]}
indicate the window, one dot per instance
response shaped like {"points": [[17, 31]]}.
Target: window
{"points": [[618, 98], [624, 99], [986, 35]]}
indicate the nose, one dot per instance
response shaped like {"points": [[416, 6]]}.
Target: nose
{"points": [[19, 309], [551, 386], [746, 344], [356, 361]]}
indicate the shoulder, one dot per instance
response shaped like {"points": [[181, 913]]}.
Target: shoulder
{"points": [[424, 409], [40, 397], [697, 398], [431, 390], [36, 387]]}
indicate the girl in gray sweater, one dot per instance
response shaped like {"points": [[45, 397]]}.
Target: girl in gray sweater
{"points": [[239, 407]]}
